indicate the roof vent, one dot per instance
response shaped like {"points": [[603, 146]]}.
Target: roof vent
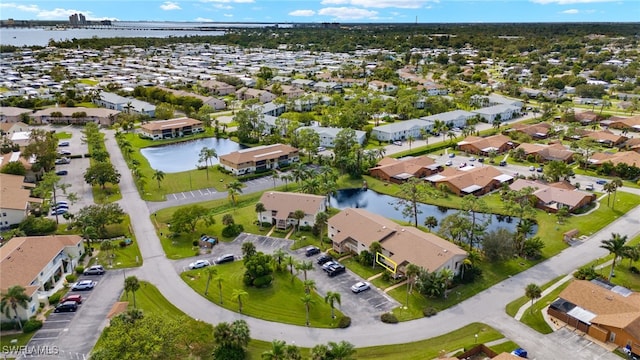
{"points": [[384, 226], [402, 230]]}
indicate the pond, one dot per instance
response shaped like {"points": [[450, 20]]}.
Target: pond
{"points": [[384, 205], [185, 155]]}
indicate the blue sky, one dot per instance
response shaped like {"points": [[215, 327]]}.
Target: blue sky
{"points": [[426, 11]]}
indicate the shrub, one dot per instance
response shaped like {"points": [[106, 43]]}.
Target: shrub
{"points": [[344, 322], [8, 325], [38, 225], [634, 270], [263, 281], [232, 230], [305, 228], [388, 318], [71, 278], [195, 243], [31, 325], [429, 311], [55, 298], [386, 276], [586, 273], [122, 244], [79, 269]]}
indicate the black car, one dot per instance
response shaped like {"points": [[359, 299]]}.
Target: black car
{"points": [[503, 163], [225, 259], [336, 270], [67, 306], [323, 259], [311, 250]]}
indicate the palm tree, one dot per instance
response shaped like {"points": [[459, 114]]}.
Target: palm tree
{"points": [[617, 182], [447, 276], [206, 154], [277, 352], [410, 140], [609, 188], [309, 286], [233, 189], [304, 266], [14, 297], [440, 126], [411, 272], [298, 215], [616, 246], [321, 223], [158, 175], [219, 279], [374, 249], [291, 263], [131, 285], [533, 292], [431, 222], [331, 298], [275, 177], [260, 209], [210, 271], [307, 300], [238, 294], [342, 350], [278, 256]]}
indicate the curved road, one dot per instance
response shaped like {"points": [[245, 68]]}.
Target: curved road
{"points": [[487, 306]]}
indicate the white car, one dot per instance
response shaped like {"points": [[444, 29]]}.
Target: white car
{"points": [[199, 264], [83, 285], [449, 163], [360, 287]]}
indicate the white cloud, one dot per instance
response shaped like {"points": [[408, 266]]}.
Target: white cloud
{"points": [[223, 6], [569, 2], [53, 14], [201, 19], [228, 15], [347, 13], [230, 1], [403, 4], [570, 11], [302, 13], [169, 5], [27, 8]]}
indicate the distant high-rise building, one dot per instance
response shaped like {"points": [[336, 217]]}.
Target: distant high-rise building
{"points": [[77, 20]]}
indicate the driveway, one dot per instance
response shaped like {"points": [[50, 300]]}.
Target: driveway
{"points": [[73, 335]]}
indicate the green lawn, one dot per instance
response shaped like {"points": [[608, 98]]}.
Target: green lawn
{"points": [[91, 82], [623, 274], [149, 299], [110, 193], [513, 307], [122, 257], [23, 339], [363, 271], [63, 135], [533, 316], [279, 302]]}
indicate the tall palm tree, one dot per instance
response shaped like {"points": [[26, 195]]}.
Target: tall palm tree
{"points": [[219, 279], [260, 209], [278, 256], [206, 156], [131, 285], [210, 271], [158, 175], [14, 297], [533, 292], [307, 300], [304, 266], [309, 286], [298, 215], [331, 298], [275, 177], [277, 351], [431, 222], [321, 223], [616, 246], [447, 276], [617, 182], [233, 189], [609, 188], [238, 294], [440, 126], [374, 249], [411, 272]]}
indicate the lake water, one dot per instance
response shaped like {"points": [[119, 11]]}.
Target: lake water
{"points": [[384, 205], [184, 156]]}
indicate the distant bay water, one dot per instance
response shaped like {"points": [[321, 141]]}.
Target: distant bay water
{"points": [[40, 36]]}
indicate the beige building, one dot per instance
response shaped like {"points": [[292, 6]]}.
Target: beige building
{"points": [[13, 127], [10, 114], [75, 116], [281, 206], [15, 200], [354, 230], [260, 158], [169, 129], [39, 264]]}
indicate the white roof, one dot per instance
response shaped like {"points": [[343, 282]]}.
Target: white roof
{"points": [[581, 314]]}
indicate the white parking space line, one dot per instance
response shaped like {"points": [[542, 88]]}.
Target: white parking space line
{"points": [[192, 194], [56, 321]]}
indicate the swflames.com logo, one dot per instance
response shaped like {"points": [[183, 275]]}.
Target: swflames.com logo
{"points": [[30, 350]]}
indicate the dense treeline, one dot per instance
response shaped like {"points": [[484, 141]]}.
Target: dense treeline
{"points": [[497, 39]]}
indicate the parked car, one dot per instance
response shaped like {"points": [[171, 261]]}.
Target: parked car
{"points": [[76, 298], [225, 258], [63, 143], [589, 187], [503, 163], [520, 352], [62, 172], [481, 160], [83, 285], [94, 270], [64, 152], [329, 264], [336, 270], [62, 161], [539, 169], [321, 148], [532, 168], [601, 182], [59, 211], [360, 287], [311, 250], [60, 206], [452, 155], [322, 259], [67, 306], [62, 202], [449, 163], [462, 165], [473, 158], [399, 143], [199, 264]]}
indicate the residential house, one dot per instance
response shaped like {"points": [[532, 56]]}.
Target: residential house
{"points": [[587, 117], [75, 116], [630, 158], [272, 109], [289, 91], [259, 158], [280, 207], [400, 170], [433, 89], [606, 137], [328, 134], [7, 128], [543, 153], [554, 196], [629, 124], [39, 264], [15, 199], [128, 105], [219, 87], [470, 180], [536, 131], [262, 95], [303, 83], [354, 230], [172, 128], [485, 145], [377, 85], [495, 99], [327, 87], [632, 145], [30, 176], [455, 118], [606, 312], [500, 112], [401, 130], [10, 114]]}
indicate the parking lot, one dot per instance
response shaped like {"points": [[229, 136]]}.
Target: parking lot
{"points": [[580, 345], [366, 306], [71, 335]]}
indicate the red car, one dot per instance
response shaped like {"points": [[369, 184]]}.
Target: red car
{"points": [[76, 298]]}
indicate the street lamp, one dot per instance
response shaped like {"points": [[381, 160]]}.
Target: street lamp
{"points": [[476, 336]]}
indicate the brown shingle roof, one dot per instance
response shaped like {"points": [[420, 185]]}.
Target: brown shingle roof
{"points": [[258, 153], [286, 203], [480, 143], [461, 179], [23, 258], [13, 192], [630, 158], [170, 124], [410, 165], [559, 192]]}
